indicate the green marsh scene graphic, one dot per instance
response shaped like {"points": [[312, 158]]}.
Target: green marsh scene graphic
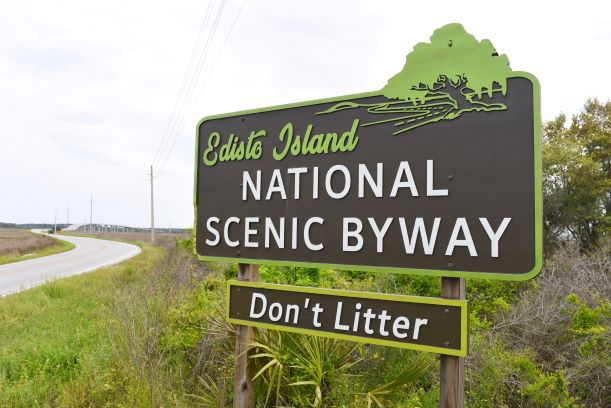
{"points": [[441, 80]]}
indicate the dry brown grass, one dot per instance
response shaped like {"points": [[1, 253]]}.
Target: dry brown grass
{"points": [[18, 242]]}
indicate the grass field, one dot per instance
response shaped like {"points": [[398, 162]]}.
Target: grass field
{"points": [[20, 245], [150, 332], [64, 359]]}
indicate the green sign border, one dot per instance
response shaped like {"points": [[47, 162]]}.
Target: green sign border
{"points": [[366, 268], [463, 304]]}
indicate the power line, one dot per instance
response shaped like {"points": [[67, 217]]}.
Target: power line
{"points": [[192, 71], [192, 86], [186, 104], [201, 89], [216, 58], [166, 132], [183, 103], [131, 192], [184, 81]]}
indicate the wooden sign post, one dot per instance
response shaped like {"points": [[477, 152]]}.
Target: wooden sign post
{"points": [[452, 387], [243, 390]]}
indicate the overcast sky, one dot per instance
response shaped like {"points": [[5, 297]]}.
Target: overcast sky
{"points": [[87, 88]]}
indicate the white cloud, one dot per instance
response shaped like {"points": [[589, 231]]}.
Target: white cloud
{"points": [[86, 88]]}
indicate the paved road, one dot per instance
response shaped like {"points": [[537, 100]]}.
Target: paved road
{"points": [[88, 254]]}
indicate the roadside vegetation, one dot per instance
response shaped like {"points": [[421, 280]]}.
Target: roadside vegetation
{"points": [[151, 331], [20, 245], [54, 339]]}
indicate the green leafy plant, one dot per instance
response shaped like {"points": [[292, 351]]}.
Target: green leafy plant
{"points": [[380, 395], [291, 363], [577, 177], [214, 393], [300, 370]]}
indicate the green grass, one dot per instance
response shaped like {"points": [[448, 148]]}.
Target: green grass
{"points": [[150, 333], [54, 343], [59, 247]]}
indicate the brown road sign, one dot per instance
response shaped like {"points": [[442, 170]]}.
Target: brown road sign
{"points": [[419, 323], [437, 173]]}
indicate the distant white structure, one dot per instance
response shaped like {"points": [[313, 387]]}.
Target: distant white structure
{"points": [[102, 228], [116, 228], [75, 227]]}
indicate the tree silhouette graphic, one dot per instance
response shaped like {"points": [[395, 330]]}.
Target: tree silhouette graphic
{"points": [[441, 80]]}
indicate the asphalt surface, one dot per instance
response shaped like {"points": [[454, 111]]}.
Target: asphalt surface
{"points": [[88, 254]]}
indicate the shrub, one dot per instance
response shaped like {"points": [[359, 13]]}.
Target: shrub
{"points": [[564, 319]]}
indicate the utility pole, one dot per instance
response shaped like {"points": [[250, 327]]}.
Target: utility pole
{"points": [[68, 216], [55, 223], [91, 215], [152, 208]]}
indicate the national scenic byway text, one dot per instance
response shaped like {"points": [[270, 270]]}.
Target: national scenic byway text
{"points": [[337, 183]]}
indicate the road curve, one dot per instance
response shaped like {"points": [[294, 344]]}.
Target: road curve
{"points": [[88, 254]]}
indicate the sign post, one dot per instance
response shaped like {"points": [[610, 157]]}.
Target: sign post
{"points": [[452, 379], [243, 390], [437, 173]]}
